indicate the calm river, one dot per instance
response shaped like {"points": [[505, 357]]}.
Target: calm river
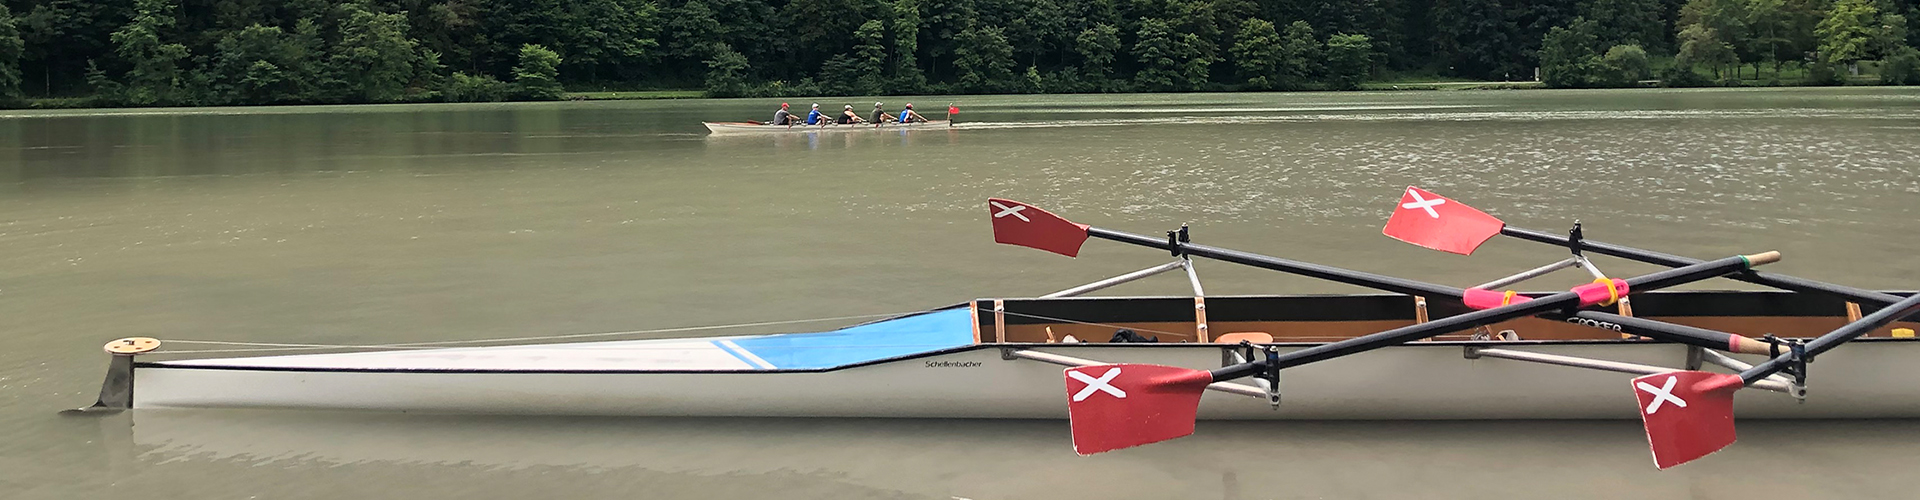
{"points": [[383, 224]]}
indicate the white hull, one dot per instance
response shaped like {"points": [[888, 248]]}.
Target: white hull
{"points": [[754, 128], [1868, 379]]}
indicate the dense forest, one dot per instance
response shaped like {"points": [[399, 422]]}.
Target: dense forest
{"points": [[214, 52]]}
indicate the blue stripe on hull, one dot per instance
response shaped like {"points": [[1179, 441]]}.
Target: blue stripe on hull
{"points": [[886, 339]]}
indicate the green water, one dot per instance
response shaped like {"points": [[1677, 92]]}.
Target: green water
{"points": [[383, 224]]}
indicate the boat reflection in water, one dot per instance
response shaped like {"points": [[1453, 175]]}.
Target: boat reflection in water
{"points": [[443, 456]]}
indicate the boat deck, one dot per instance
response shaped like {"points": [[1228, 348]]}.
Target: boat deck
{"points": [[890, 338]]}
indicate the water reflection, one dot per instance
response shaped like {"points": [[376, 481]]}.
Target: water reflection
{"points": [[1024, 459]]}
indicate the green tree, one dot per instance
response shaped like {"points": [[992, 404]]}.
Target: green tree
{"points": [[1257, 54], [870, 56], [1626, 22], [1702, 45], [1300, 57], [1728, 21], [155, 76], [1568, 58], [726, 72], [1626, 65], [1849, 33], [1156, 51], [1769, 28], [1475, 38], [1097, 46], [1902, 67], [538, 73], [374, 60], [984, 60], [907, 76], [1349, 60], [11, 48], [264, 65], [608, 34]]}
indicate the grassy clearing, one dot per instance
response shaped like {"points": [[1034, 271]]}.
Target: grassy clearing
{"points": [[1450, 85]]}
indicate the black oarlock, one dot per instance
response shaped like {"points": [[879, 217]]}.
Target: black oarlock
{"points": [[1575, 237]]}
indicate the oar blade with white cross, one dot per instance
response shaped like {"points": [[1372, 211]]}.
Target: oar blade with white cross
{"points": [[1433, 221], [1016, 223], [1688, 414], [1127, 405]]}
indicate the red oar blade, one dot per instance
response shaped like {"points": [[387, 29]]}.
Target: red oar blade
{"points": [[1688, 414], [1016, 223], [1433, 221], [1126, 405]]}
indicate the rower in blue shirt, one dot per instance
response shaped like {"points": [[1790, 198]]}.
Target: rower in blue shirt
{"points": [[814, 117], [909, 116]]}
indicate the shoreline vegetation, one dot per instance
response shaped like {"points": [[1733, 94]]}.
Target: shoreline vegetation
{"points": [[157, 53]]}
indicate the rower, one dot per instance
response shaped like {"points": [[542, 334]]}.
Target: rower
{"points": [[848, 117], [782, 117], [909, 116], [813, 116], [880, 115]]}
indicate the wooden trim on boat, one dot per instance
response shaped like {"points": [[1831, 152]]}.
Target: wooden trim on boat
{"points": [[999, 320], [973, 308], [1200, 319]]}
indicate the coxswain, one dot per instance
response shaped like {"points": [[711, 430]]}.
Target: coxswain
{"points": [[909, 116], [782, 117]]}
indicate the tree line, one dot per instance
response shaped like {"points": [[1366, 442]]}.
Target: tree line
{"points": [[213, 52], [1824, 40]]}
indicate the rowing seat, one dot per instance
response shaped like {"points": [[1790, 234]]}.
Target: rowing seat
{"points": [[1252, 337]]}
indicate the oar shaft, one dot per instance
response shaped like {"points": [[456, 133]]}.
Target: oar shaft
{"points": [[1833, 339], [1406, 334], [1648, 328], [1330, 273], [1657, 258]]}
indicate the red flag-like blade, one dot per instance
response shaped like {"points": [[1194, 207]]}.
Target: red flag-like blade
{"points": [[1688, 414], [1016, 223], [1122, 406], [1432, 221]]}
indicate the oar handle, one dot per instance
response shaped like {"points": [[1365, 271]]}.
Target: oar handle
{"points": [[1659, 330], [1657, 280], [1759, 278]]}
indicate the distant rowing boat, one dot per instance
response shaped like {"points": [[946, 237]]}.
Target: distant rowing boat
{"points": [[760, 128]]}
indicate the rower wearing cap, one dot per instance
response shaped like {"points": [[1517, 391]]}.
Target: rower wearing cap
{"points": [[880, 115], [782, 117], [814, 117], [909, 116], [849, 117]]}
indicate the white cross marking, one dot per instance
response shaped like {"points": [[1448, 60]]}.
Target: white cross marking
{"points": [[1661, 394], [1006, 211], [1423, 203], [1097, 385]]}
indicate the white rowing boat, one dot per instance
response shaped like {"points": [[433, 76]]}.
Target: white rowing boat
{"points": [[1425, 352], [761, 128]]}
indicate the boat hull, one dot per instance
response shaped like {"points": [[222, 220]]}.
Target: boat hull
{"points": [[729, 128], [1428, 380]]}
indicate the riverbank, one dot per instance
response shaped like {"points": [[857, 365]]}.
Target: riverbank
{"points": [[1770, 81]]}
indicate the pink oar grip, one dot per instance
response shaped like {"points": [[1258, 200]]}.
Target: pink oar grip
{"points": [[1596, 293], [1480, 298]]}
